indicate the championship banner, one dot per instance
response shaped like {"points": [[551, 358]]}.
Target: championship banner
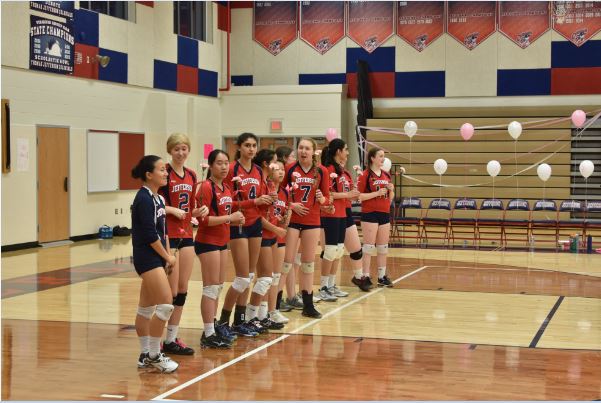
{"points": [[51, 46], [577, 21], [370, 23], [322, 24], [274, 24], [420, 23], [524, 21], [60, 8], [471, 22]]}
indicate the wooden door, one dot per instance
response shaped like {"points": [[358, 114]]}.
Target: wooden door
{"points": [[53, 184], [231, 147], [272, 143]]}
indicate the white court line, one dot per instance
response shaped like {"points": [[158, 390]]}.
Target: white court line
{"points": [[112, 396], [275, 341]]}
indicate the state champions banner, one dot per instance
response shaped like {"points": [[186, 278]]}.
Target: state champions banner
{"points": [[274, 24], [524, 21], [471, 22], [51, 45], [322, 24], [370, 23], [577, 21], [420, 23]]}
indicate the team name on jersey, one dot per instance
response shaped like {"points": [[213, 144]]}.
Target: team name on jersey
{"points": [[250, 181], [380, 182], [310, 181], [182, 187], [280, 203], [225, 199]]}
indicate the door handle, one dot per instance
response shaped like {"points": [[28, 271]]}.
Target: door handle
{"points": [[66, 184]]}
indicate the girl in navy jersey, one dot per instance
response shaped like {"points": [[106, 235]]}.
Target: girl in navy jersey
{"points": [[151, 258], [179, 200], [377, 191], [211, 244], [309, 186], [246, 181]]}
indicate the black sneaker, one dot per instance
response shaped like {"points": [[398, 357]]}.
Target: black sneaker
{"points": [[213, 341], [225, 332], [143, 360], [311, 312], [177, 347], [267, 323], [368, 281], [360, 282], [255, 324], [244, 330], [384, 282]]}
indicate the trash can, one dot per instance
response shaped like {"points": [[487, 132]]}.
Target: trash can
{"points": [[574, 243]]}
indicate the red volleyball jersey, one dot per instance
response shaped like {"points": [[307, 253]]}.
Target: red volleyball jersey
{"points": [[347, 186], [370, 182], [336, 185], [303, 187], [219, 202], [250, 187], [179, 193], [276, 213]]}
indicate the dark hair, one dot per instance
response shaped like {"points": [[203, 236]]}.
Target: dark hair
{"points": [[264, 155], [212, 157], [241, 139], [283, 152], [329, 152], [145, 165], [370, 154]]}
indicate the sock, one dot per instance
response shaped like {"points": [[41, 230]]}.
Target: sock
{"points": [[225, 316], [358, 274], [331, 280], [262, 310], [324, 282], [209, 329], [278, 300], [239, 315], [381, 272], [307, 300], [171, 333], [144, 340], [251, 312], [154, 346]]}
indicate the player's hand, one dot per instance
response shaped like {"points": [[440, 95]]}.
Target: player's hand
{"points": [[179, 213], [280, 232], [263, 200], [201, 212], [390, 187], [383, 192], [299, 209], [237, 218], [319, 196], [330, 209], [353, 194]]}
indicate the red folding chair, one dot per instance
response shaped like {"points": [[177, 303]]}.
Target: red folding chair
{"points": [[436, 227], [516, 222], [406, 225], [543, 225], [489, 223], [463, 221]]}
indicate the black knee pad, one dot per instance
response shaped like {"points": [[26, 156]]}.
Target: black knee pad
{"points": [[180, 299], [357, 255], [321, 255]]}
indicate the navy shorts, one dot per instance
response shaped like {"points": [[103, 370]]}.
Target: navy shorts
{"points": [[201, 248], [350, 220], [252, 231], [268, 243], [146, 259], [302, 227], [185, 242], [334, 229], [376, 217], [281, 245]]}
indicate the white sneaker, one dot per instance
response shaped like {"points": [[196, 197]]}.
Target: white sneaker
{"points": [[326, 296], [316, 298], [163, 363], [277, 317], [337, 292]]}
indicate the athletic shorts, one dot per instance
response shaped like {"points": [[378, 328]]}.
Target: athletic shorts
{"points": [[173, 242], [376, 217], [350, 220], [146, 260], [334, 229], [201, 248], [302, 227], [268, 243], [252, 231], [281, 244]]}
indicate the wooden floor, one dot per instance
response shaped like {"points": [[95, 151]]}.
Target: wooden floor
{"points": [[458, 325]]}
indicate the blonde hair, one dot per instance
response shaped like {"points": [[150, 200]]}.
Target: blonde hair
{"points": [[175, 139]]}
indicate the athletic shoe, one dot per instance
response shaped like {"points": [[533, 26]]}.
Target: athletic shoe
{"points": [[360, 282], [295, 302], [213, 341], [311, 312], [143, 360], [244, 330], [284, 306], [267, 323], [337, 292], [368, 281], [225, 332], [325, 295], [316, 299], [277, 317], [162, 363], [177, 347], [384, 282], [255, 324]]}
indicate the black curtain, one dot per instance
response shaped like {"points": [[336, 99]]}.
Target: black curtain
{"points": [[365, 109]]}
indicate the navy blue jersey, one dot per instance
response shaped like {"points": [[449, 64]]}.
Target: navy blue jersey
{"points": [[147, 220]]}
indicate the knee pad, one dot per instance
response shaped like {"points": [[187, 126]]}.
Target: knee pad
{"points": [[286, 267], [330, 253], [146, 311], [164, 311], [357, 255], [251, 276], [180, 299], [211, 291], [308, 267], [340, 251], [297, 259], [240, 283], [262, 285], [382, 249], [276, 279], [369, 250]]}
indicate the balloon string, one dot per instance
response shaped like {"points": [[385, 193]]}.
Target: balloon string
{"points": [[517, 180]]}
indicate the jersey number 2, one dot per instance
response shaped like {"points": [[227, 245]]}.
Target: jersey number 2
{"points": [[183, 202]]}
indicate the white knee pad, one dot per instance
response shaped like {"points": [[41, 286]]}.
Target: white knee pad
{"points": [[308, 267], [262, 285], [164, 311], [240, 283], [251, 276], [146, 311], [286, 267], [340, 251], [276, 279], [382, 249], [330, 252], [297, 259], [211, 291], [369, 250]]}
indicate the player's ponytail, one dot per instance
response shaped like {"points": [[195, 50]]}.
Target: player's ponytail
{"points": [[145, 165]]}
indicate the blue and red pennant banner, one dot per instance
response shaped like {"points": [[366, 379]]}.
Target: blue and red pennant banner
{"points": [[524, 21], [420, 23], [322, 24], [471, 22], [370, 23], [577, 21], [274, 24]]}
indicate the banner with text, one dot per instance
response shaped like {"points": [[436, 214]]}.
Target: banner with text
{"points": [[60, 8], [577, 21], [370, 23], [51, 46], [471, 22], [420, 23], [524, 21], [322, 24], [274, 24]]}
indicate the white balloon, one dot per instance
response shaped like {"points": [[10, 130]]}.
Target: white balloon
{"points": [[410, 128], [387, 164], [440, 166], [493, 168], [587, 168], [514, 129], [544, 172]]}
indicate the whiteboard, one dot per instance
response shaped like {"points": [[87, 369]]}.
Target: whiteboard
{"points": [[103, 161]]}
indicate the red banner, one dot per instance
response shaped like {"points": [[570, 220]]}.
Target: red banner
{"points": [[322, 24], [420, 23], [370, 23], [274, 24], [471, 22], [577, 21], [524, 21]]}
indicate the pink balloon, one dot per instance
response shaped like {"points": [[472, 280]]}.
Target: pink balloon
{"points": [[467, 131], [332, 134], [578, 118]]}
